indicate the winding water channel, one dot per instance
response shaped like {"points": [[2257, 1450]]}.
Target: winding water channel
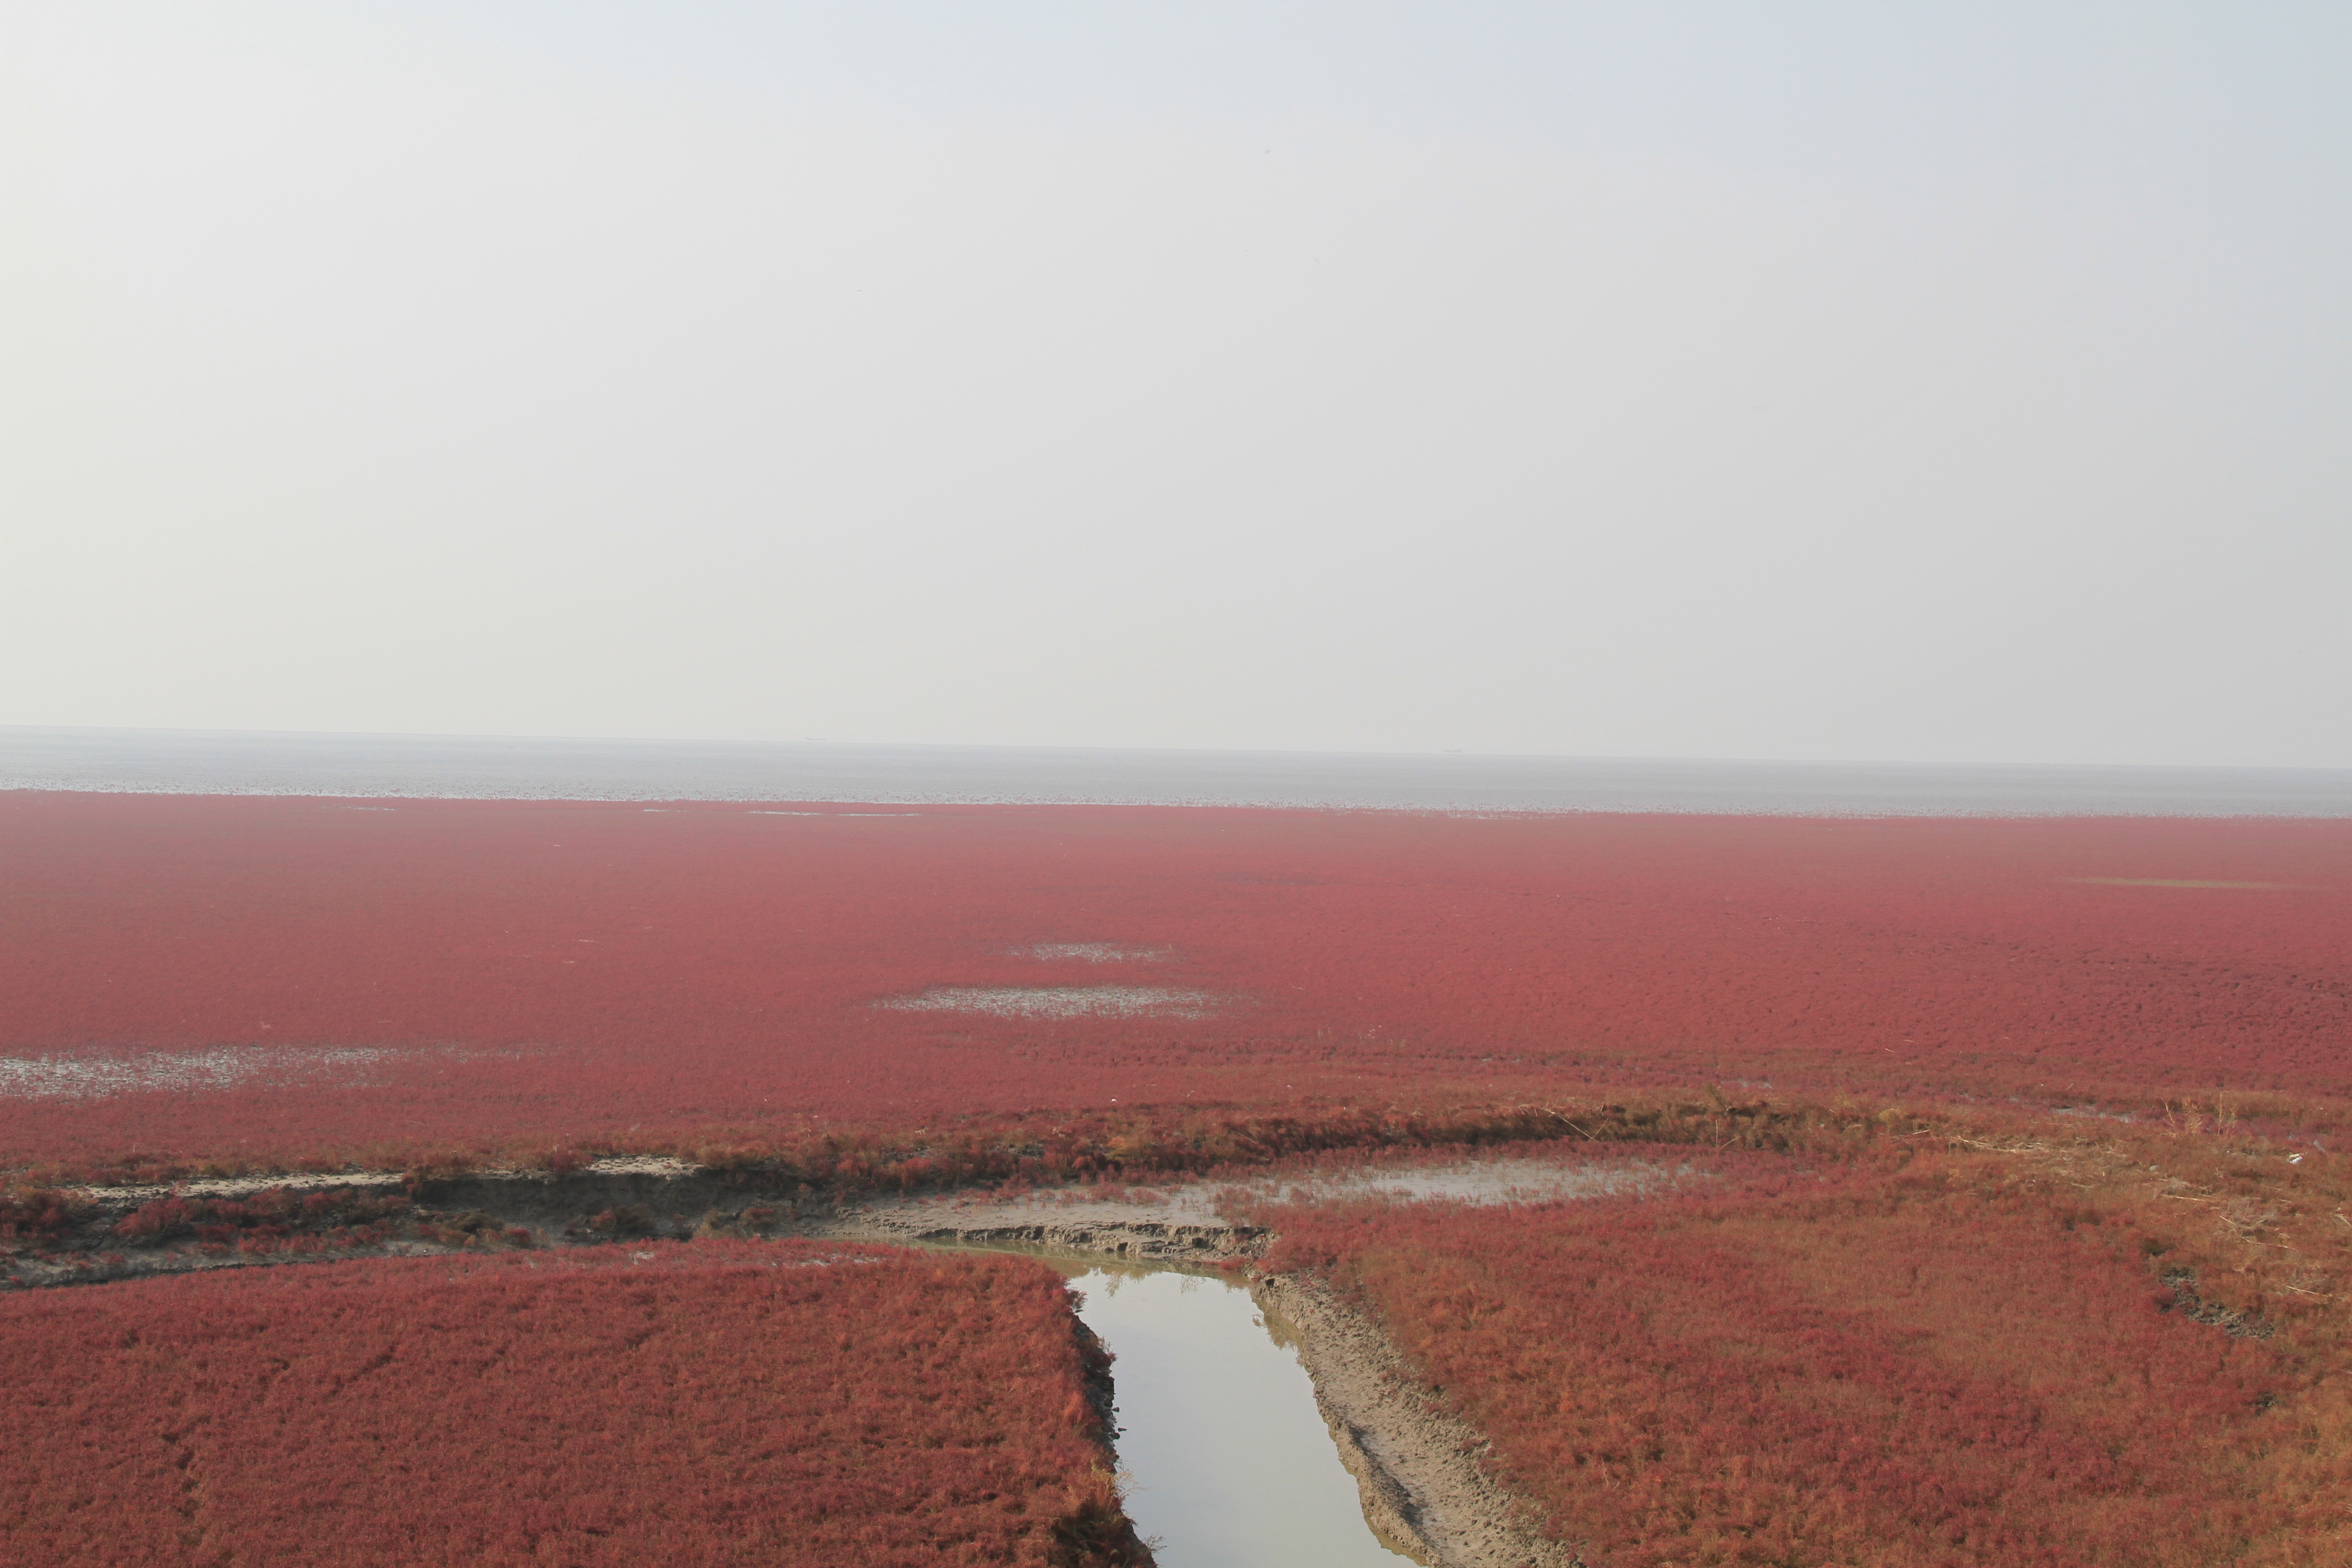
{"points": [[1230, 1462]]}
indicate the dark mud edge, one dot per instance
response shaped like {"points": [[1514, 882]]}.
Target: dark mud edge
{"points": [[88, 1236]]}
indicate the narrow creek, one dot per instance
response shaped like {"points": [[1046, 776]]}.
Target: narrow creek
{"points": [[1230, 1465]]}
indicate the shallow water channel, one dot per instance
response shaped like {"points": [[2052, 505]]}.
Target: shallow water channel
{"points": [[1230, 1464]]}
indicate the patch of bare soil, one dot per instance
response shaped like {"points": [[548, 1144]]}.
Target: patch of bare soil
{"points": [[1209, 1201], [1423, 1491], [1128, 1235], [1062, 1002]]}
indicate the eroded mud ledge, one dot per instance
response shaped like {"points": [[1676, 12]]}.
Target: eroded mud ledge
{"points": [[1415, 1466], [117, 1232]]}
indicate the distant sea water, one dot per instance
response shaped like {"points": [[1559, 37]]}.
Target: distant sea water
{"points": [[206, 762]]}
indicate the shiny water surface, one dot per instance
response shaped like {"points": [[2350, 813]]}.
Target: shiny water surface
{"points": [[1230, 1465]]}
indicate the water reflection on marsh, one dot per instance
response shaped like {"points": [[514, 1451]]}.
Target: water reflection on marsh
{"points": [[1231, 1465], [1218, 1427]]}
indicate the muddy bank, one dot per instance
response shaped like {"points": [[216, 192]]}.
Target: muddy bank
{"points": [[1417, 1467], [90, 1236], [109, 1233], [1126, 1235], [95, 1234]]}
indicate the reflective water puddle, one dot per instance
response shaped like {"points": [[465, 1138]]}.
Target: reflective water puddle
{"points": [[1231, 1466]]}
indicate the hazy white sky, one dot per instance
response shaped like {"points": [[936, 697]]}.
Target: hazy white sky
{"points": [[1966, 381]]}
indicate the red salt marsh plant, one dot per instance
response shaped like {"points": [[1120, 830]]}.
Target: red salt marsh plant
{"points": [[664, 1403], [1943, 1358], [263, 979]]}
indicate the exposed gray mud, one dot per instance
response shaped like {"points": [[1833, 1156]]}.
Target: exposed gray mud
{"points": [[1129, 1235], [1423, 1491], [112, 1233]]}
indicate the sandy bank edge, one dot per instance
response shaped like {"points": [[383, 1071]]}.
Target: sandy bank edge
{"points": [[1417, 1467]]}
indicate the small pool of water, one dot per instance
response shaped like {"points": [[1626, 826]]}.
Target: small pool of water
{"points": [[1231, 1465]]}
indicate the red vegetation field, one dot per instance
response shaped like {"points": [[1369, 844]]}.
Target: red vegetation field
{"points": [[1943, 1360], [245, 977], [700, 1402], [1916, 1321]]}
